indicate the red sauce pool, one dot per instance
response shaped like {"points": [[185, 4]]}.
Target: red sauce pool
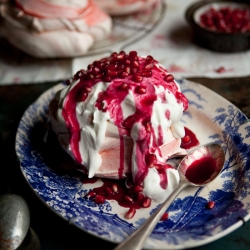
{"points": [[201, 170], [116, 190], [189, 140]]}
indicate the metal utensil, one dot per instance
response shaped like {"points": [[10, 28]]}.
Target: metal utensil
{"points": [[14, 221], [198, 168]]}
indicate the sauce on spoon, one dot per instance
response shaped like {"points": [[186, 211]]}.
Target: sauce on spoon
{"points": [[201, 170]]}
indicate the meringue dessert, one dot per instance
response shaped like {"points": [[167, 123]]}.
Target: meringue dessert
{"points": [[121, 117], [53, 28]]}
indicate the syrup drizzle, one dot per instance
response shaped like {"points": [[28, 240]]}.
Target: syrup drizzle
{"points": [[131, 196]]}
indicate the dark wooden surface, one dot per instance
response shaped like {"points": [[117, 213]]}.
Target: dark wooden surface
{"points": [[53, 232]]}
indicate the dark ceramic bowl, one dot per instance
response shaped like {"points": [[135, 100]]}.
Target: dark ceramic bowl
{"points": [[213, 39]]}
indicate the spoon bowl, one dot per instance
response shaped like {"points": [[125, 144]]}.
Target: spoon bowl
{"points": [[198, 168], [14, 221], [202, 165]]}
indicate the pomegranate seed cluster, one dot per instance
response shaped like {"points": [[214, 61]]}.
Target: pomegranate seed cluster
{"points": [[119, 65], [226, 20], [125, 193]]}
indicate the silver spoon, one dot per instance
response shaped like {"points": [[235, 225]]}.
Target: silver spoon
{"points": [[14, 221], [197, 168]]}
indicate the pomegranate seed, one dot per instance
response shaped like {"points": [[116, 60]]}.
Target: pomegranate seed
{"points": [[148, 127], [103, 60], [121, 66], [220, 70], [159, 167], [79, 74], [141, 90], [149, 66], [164, 216], [150, 160], [128, 198], [127, 62], [132, 54], [112, 67], [96, 63], [112, 73], [95, 70], [109, 191], [134, 70], [115, 188], [105, 67], [137, 78], [149, 58], [121, 55], [169, 78], [114, 54], [91, 194], [140, 197], [129, 122], [186, 139], [123, 74], [91, 75], [123, 86], [88, 89], [138, 189], [107, 63], [130, 213], [146, 202], [146, 73], [128, 69], [210, 204], [135, 63], [106, 78], [89, 66], [99, 199], [98, 76]]}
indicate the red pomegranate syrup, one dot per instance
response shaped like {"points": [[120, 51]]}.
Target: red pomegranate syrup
{"points": [[189, 140], [201, 170]]}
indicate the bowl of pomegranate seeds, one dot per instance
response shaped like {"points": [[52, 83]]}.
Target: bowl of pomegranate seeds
{"points": [[222, 25]]}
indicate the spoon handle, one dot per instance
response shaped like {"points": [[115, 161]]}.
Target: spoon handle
{"points": [[137, 239]]}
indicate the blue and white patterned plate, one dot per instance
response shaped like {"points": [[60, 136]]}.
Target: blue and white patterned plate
{"points": [[190, 223]]}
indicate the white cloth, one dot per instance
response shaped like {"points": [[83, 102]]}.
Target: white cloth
{"points": [[169, 42]]}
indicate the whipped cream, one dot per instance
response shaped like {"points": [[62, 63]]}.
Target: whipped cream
{"points": [[126, 125]]}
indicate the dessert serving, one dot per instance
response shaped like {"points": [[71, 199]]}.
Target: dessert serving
{"points": [[52, 28], [120, 118]]}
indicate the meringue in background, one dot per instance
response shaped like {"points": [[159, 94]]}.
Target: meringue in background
{"points": [[53, 28]]}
